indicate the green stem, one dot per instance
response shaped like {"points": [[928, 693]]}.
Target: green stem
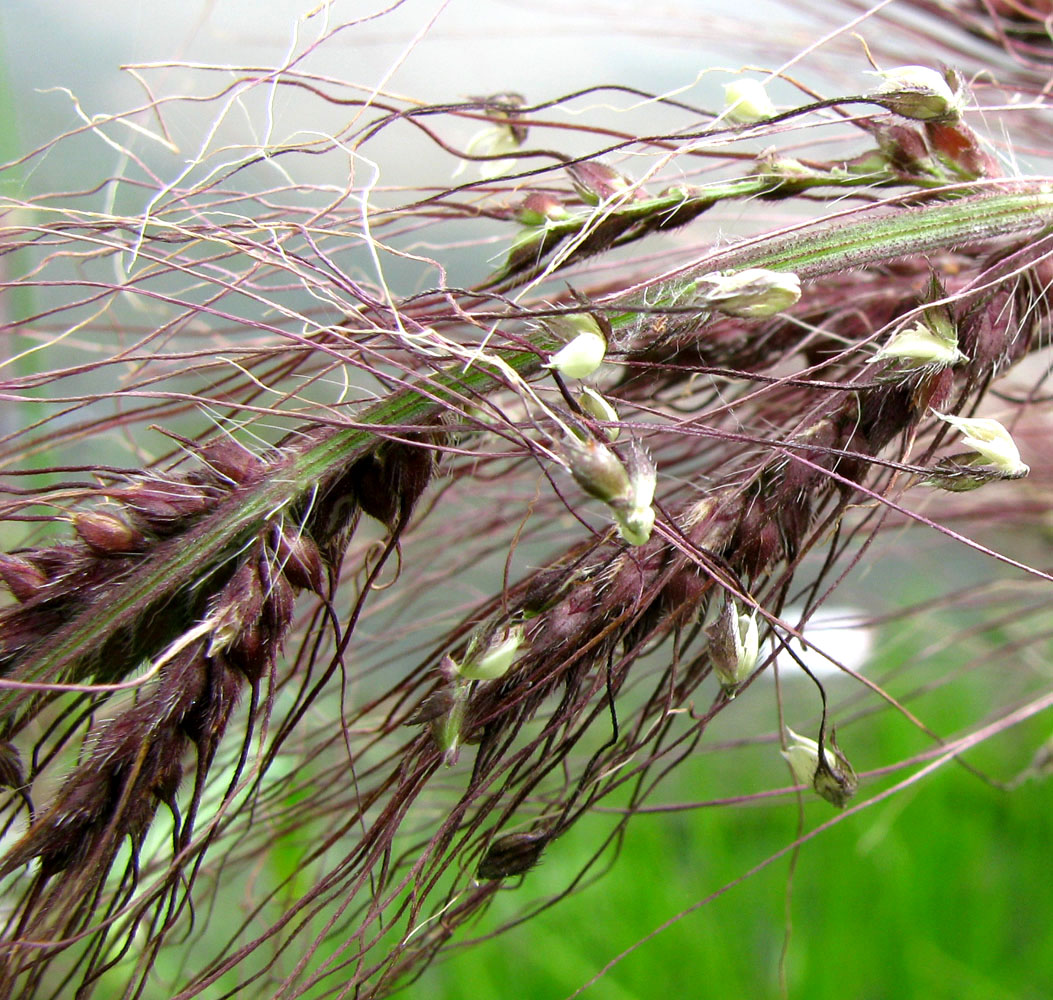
{"points": [[867, 237], [879, 235]]}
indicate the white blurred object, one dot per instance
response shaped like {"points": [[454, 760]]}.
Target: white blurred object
{"points": [[838, 631]]}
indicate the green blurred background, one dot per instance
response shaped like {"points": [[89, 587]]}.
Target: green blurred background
{"points": [[942, 892]]}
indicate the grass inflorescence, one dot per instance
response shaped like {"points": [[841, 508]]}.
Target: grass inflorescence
{"points": [[345, 589]]}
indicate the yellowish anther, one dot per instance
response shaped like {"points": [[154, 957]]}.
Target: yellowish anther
{"points": [[496, 659], [494, 140], [747, 102], [753, 293], [734, 645], [585, 351], [993, 444], [581, 357], [596, 406], [634, 515], [921, 346], [919, 93], [833, 779], [635, 525]]}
